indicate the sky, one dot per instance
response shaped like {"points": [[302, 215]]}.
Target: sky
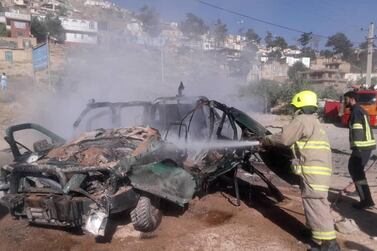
{"points": [[323, 17]]}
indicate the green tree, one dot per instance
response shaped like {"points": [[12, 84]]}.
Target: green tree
{"points": [[252, 36], [220, 32], [280, 43], [38, 29], [328, 92], [275, 93], [3, 30], [305, 39], [268, 90], [151, 20], [296, 82], [326, 53], [340, 44], [54, 27], [268, 39], [193, 26], [295, 69]]}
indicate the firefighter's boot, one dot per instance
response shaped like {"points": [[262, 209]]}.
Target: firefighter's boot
{"points": [[331, 245], [366, 200]]}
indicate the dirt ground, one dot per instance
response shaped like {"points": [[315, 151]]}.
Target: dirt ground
{"points": [[213, 223]]}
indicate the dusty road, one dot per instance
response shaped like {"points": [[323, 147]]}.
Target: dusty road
{"points": [[213, 223]]}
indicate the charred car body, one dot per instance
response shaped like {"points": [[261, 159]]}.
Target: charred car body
{"points": [[105, 171]]}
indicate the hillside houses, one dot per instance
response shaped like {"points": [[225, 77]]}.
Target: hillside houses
{"points": [[79, 28], [101, 4], [92, 22], [327, 71]]}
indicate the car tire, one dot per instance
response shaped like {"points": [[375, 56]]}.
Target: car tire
{"points": [[146, 216]]}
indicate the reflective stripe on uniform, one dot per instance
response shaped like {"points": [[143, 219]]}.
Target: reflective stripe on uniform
{"points": [[331, 235], [363, 143], [369, 141], [367, 130], [321, 188], [357, 126], [320, 170], [362, 137], [313, 144]]}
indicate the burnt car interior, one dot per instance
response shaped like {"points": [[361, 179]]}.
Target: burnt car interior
{"points": [[228, 124], [20, 150]]}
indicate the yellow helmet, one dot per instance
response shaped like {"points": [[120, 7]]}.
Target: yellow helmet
{"points": [[304, 98]]}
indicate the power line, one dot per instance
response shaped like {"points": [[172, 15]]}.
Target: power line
{"points": [[260, 20], [255, 19]]}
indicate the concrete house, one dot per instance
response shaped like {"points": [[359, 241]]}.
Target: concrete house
{"points": [[17, 23], [80, 31]]}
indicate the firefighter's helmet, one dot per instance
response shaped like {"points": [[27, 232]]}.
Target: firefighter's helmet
{"points": [[304, 98]]}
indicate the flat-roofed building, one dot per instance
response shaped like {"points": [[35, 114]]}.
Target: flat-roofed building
{"points": [[80, 31]]}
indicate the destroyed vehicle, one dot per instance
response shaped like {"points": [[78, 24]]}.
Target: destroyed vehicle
{"points": [[164, 114], [106, 171]]}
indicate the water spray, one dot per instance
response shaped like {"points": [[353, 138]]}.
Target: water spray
{"points": [[213, 145]]}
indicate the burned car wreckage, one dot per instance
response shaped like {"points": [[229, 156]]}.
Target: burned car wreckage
{"points": [[189, 142]]}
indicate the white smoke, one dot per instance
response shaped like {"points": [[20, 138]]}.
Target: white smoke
{"points": [[123, 71]]}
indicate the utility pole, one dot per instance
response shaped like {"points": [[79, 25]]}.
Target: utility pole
{"points": [[48, 61], [162, 64], [370, 55]]}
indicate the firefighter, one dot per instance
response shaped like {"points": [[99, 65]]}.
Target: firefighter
{"points": [[362, 143], [312, 162]]}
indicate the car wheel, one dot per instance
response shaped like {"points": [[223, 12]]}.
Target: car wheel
{"points": [[146, 216]]}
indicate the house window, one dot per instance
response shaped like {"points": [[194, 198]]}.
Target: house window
{"points": [[91, 25], [19, 25], [9, 56]]}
